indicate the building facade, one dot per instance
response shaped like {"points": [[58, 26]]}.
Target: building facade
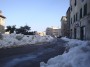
{"points": [[41, 33], [64, 26], [2, 21], [80, 19], [68, 22], [53, 31]]}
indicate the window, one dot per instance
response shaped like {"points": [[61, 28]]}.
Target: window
{"points": [[80, 13], [76, 16], [71, 33], [71, 8], [74, 19], [75, 2], [82, 0], [71, 20], [85, 10]]}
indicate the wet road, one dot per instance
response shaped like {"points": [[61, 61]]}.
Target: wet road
{"points": [[31, 55]]}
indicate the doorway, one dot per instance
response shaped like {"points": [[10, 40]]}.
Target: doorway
{"points": [[74, 33], [82, 33]]}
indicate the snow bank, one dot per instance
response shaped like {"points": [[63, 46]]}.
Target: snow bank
{"points": [[20, 39], [78, 55]]}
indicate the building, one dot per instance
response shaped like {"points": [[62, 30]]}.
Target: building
{"points": [[2, 21], [53, 31], [80, 19], [41, 33], [68, 22], [64, 26]]}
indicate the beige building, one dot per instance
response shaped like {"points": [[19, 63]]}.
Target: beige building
{"points": [[41, 33], [2, 21], [53, 31], [80, 19]]}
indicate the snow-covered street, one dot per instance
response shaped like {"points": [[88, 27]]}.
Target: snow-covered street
{"points": [[31, 55], [40, 51], [14, 40], [77, 54]]}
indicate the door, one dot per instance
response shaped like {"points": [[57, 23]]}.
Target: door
{"points": [[74, 33], [82, 33]]}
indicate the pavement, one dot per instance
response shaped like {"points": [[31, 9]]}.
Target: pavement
{"points": [[31, 55]]}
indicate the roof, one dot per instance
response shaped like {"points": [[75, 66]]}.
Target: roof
{"points": [[63, 18], [2, 16], [53, 27]]}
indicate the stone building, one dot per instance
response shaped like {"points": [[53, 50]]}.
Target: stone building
{"points": [[80, 19], [41, 33], [53, 31], [2, 21], [64, 26], [68, 22]]}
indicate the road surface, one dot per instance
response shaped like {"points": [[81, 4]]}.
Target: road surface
{"points": [[31, 55]]}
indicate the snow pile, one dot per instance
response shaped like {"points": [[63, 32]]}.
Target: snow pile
{"points": [[10, 40], [78, 55]]}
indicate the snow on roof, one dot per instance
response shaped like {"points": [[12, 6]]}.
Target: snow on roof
{"points": [[1, 14], [53, 27]]}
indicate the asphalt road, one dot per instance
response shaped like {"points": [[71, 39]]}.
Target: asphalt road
{"points": [[31, 55]]}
